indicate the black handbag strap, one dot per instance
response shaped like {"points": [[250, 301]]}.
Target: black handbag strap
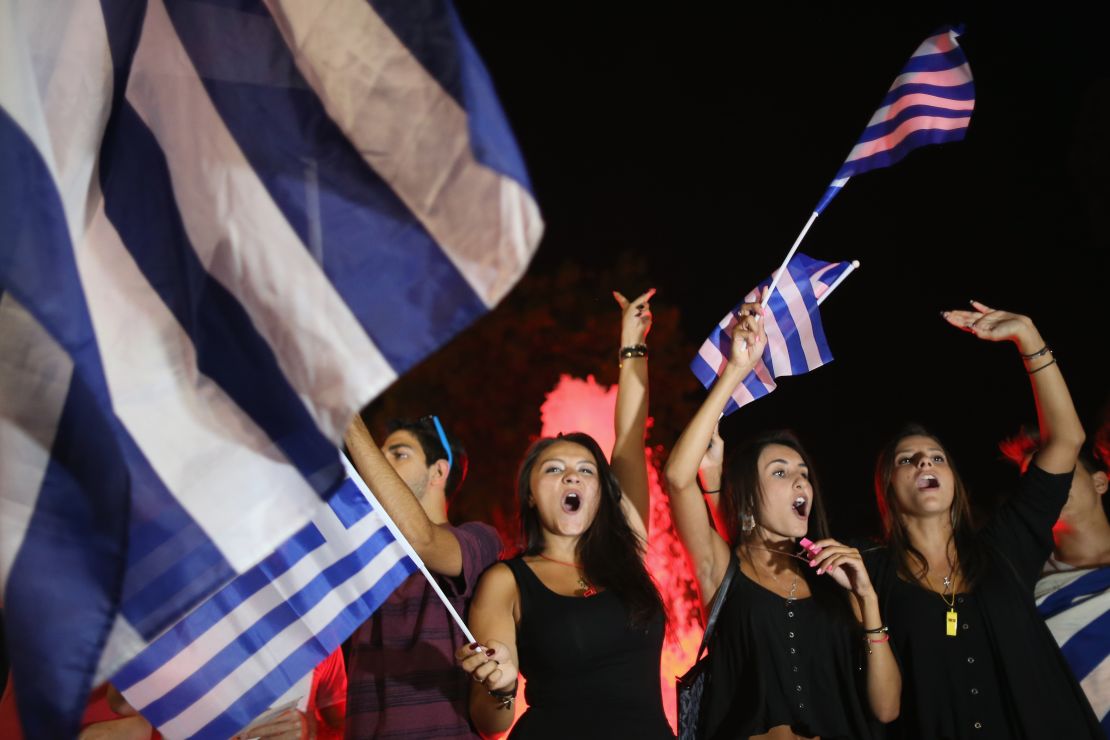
{"points": [[718, 600]]}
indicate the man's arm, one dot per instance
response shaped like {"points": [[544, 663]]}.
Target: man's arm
{"points": [[434, 543]]}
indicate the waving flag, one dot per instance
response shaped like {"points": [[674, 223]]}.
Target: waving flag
{"points": [[226, 662], [795, 339], [226, 228], [930, 102]]}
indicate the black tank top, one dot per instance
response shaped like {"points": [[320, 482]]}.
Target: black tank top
{"points": [[588, 673]]}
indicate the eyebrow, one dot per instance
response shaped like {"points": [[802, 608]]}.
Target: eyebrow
{"points": [[564, 462], [927, 449], [398, 446], [784, 462]]}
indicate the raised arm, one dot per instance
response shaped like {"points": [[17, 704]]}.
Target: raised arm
{"points": [[630, 419], [708, 551], [435, 545], [1060, 430]]}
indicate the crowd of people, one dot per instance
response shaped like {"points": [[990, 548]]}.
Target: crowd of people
{"points": [[945, 628]]}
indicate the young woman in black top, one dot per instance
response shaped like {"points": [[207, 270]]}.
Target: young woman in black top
{"points": [[977, 660], [786, 656], [577, 612]]}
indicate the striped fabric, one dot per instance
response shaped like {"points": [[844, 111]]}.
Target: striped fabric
{"points": [[231, 658], [1075, 603], [930, 102], [795, 340], [227, 226]]}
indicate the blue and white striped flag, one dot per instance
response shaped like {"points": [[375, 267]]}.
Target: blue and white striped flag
{"points": [[230, 659], [930, 102], [1075, 604], [795, 339], [226, 227]]}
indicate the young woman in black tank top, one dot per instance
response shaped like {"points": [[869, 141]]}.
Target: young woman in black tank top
{"points": [[785, 657], [577, 612]]}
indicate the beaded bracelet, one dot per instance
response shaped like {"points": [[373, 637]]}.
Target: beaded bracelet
{"points": [[636, 350]]}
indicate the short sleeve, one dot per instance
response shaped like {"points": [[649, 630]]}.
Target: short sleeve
{"points": [[1022, 528], [481, 547]]}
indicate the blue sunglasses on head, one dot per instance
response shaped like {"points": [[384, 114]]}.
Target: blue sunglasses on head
{"points": [[442, 440]]}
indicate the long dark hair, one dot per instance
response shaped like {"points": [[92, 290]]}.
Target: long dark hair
{"points": [[742, 495], [912, 565], [610, 552]]}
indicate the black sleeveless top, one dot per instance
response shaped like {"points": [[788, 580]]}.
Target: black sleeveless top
{"points": [[774, 661], [588, 673]]}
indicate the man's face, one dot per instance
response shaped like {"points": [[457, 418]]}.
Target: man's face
{"points": [[405, 454]]}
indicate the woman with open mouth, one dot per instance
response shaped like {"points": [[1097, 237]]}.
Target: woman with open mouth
{"points": [[793, 628], [977, 659], [577, 613]]}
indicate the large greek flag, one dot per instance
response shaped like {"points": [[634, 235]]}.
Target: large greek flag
{"points": [[225, 225]]}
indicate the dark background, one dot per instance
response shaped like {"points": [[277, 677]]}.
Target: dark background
{"points": [[683, 147]]}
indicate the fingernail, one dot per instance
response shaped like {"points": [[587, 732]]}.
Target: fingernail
{"points": [[812, 563], [944, 314], [490, 652], [820, 571], [816, 550], [473, 646]]}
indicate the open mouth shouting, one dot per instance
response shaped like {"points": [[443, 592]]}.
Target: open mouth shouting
{"points": [[801, 506], [572, 502], [927, 482]]}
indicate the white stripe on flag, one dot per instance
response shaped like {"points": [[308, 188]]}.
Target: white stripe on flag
{"points": [[888, 112], [803, 327], [227, 483], [895, 137], [1068, 622], [228, 629], [226, 692], [776, 345], [1096, 685], [943, 78], [244, 241], [32, 397], [938, 44], [341, 48]]}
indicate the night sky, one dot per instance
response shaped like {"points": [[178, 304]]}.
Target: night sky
{"points": [[698, 138]]}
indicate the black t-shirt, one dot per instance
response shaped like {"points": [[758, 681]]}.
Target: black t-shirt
{"points": [[1002, 674]]}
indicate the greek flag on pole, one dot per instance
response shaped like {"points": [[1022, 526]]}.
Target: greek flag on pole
{"points": [[795, 340], [930, 102], [226, 227], [1075, 604], [226, 662]]}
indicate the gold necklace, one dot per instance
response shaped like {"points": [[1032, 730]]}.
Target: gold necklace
{"points": [[584, 586]]}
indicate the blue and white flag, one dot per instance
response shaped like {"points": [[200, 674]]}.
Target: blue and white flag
{"points": [[230, 659], [795, 338], [930, 102], [226, 227], [1075, 604]]}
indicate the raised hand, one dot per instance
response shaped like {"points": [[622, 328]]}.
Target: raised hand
{"points": [[635, 317], [748, 337], [995, 326]]}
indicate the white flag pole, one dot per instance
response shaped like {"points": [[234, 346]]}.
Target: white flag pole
{"points": [[793, 249], [404, 543], [852, 267]]}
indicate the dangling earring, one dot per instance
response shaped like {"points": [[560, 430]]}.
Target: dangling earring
{"points": [[747, 523]]}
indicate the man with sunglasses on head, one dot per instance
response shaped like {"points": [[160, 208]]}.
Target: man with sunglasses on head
{"points": [[402, 678]]}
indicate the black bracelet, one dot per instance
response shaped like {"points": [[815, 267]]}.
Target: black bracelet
{"points": [[877, 630], [714, 491], [1042, 351], [636, 350], [1042, 367], [504, 697]]}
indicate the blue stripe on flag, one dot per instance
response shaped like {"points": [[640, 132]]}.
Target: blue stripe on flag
{"points": [[704, 373], [1087, 647], [789, 329], [432, 32], [376, 254], [307, 657], [936, 62], [1088, 584], [173, 702], [229, 349], [881, 129], [963, 92], [896, 154]]}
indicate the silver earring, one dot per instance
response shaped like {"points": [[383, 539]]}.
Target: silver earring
{"points": [[747, 523]]}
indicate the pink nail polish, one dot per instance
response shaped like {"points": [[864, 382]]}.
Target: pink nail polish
{"points": [[820, 571]]}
